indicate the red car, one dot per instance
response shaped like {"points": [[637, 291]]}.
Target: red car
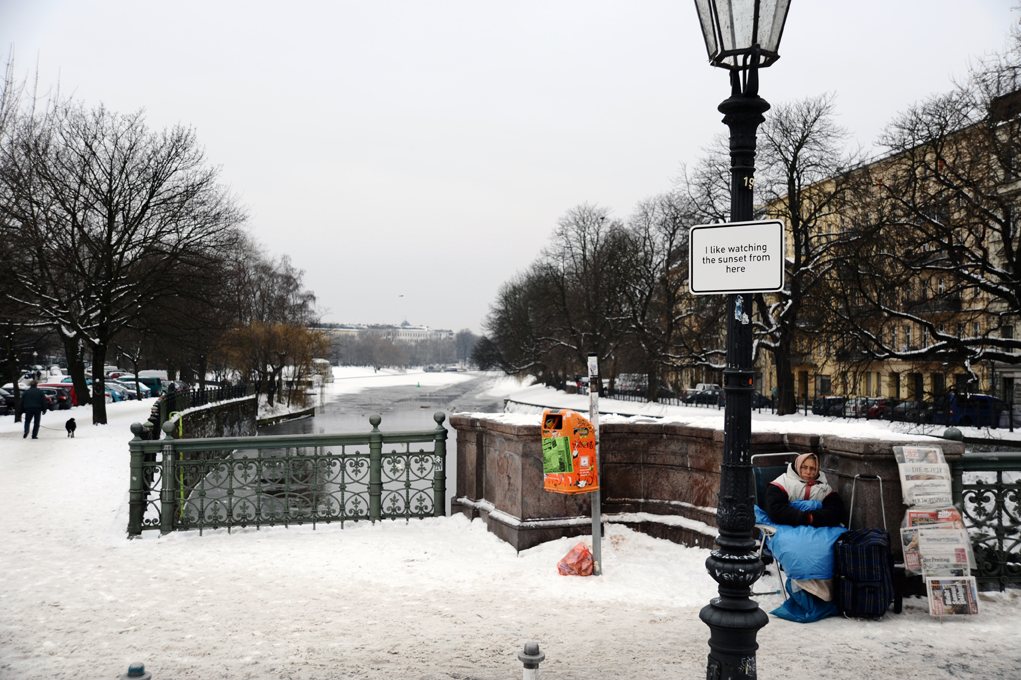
{"points": [[883, 408]]}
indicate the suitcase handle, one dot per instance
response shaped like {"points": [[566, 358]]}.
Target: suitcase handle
{"points": [[882, 503]]}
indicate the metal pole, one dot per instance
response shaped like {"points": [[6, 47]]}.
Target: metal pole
{"points": [[136, 502], [593, 414], [375, 469], [734, 618], [167, 489], [439, 475], [531, 657]]}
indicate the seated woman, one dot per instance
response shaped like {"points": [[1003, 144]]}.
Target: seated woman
{"points": [[803, 481], [806, 513]]}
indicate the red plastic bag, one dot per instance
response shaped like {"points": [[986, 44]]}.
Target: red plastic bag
{"points": [[578, 562]]}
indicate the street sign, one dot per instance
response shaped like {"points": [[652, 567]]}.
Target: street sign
{"points": [[737, 257]]}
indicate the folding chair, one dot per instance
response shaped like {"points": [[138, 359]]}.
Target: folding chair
{"points": [[763, 476]]}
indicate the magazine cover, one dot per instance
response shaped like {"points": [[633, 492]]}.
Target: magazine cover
{"points": [[919, 517], [952, 596], [912, 559], [918, 454]]}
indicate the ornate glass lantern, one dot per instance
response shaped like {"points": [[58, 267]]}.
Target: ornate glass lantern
{"points": [[740, 34]]}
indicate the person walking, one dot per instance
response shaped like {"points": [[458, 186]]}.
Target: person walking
{"points": [[33, 403]]}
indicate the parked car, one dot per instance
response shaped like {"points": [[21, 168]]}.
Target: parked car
{"points": [[912, 411], [858, 407], [121, 393], [760, 401], [158, 386], [61, 397], [882, 408], [714, 397], [111, 396], [979, 410], [1011, 418], [7, 399], [829, 406], [129, 383]]}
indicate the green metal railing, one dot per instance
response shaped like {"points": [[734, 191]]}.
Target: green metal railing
{"points": [[990, 503], [180, 484]]}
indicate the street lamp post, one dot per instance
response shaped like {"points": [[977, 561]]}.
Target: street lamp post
{"points": [[742, 36]]}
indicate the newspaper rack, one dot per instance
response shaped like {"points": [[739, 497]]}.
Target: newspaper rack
{"points": [[933, 534]]}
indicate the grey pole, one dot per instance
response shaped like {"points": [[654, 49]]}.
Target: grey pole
{"points": [[593, 414], [531, 657]]}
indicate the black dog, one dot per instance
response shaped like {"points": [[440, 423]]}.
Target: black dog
{"points": [[70, 426]]}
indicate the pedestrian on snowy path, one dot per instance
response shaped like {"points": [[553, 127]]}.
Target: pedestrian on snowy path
{"points": [[33, 403]]}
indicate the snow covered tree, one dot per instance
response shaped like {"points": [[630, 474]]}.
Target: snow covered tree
{"points": [[801, 180], [108, 217], [567, 304], [936, 265], [666, 328]]}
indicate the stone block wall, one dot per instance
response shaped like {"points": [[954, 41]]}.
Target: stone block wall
{"points": [[231, 418], [660, 478]]}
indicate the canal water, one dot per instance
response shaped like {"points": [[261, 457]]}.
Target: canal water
{"points": [[401, 409]]}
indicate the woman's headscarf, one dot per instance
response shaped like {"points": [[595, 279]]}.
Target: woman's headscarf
{"points": [[801, 459]]}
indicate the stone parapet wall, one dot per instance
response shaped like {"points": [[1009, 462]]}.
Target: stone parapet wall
{"points": [[230, 418], [660, 478]]}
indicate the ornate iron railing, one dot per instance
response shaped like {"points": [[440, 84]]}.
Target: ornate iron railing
{"points": [[179, 484], [990, 502]]}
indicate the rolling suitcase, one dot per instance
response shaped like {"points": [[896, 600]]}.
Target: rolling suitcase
{"points": [[863, 567]]}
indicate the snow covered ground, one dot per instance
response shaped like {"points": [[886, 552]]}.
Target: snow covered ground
{"points": [[440, 598]]}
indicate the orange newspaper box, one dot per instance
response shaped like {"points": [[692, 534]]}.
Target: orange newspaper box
{"points": [[568, 452]]}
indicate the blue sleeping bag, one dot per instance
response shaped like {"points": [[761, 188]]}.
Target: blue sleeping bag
{"points": [[805, 553]]}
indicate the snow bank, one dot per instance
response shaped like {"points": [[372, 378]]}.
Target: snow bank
{"points": [[440, 598]]}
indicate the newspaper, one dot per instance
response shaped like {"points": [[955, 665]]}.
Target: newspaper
{"points": [[945, 551], [914, 518], [918, 454], [952, 596], [920, 517], [925, 483]]}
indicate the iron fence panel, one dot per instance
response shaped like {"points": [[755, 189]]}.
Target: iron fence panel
{"points": [[180, 484]]}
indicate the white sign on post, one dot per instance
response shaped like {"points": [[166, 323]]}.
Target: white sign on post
{"points": [[737, 257]]}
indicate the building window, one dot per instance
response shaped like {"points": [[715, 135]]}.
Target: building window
{"points": [[907, 337], [1008, 334], [976, 329]]}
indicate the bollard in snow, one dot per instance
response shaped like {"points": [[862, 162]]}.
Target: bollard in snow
{"points": [[531, 657], [136, 671]]}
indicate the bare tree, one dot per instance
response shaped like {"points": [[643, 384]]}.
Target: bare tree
{"points": [[464, 343], [566, 305], [937, 260], [104, 212], [272, 316], [664, 325], [803, 182]]}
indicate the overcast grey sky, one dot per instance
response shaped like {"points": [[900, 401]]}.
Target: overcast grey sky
{"points": [[426, 148]]}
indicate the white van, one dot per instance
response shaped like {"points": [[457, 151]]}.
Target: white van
{"points": [[702, 387]]}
